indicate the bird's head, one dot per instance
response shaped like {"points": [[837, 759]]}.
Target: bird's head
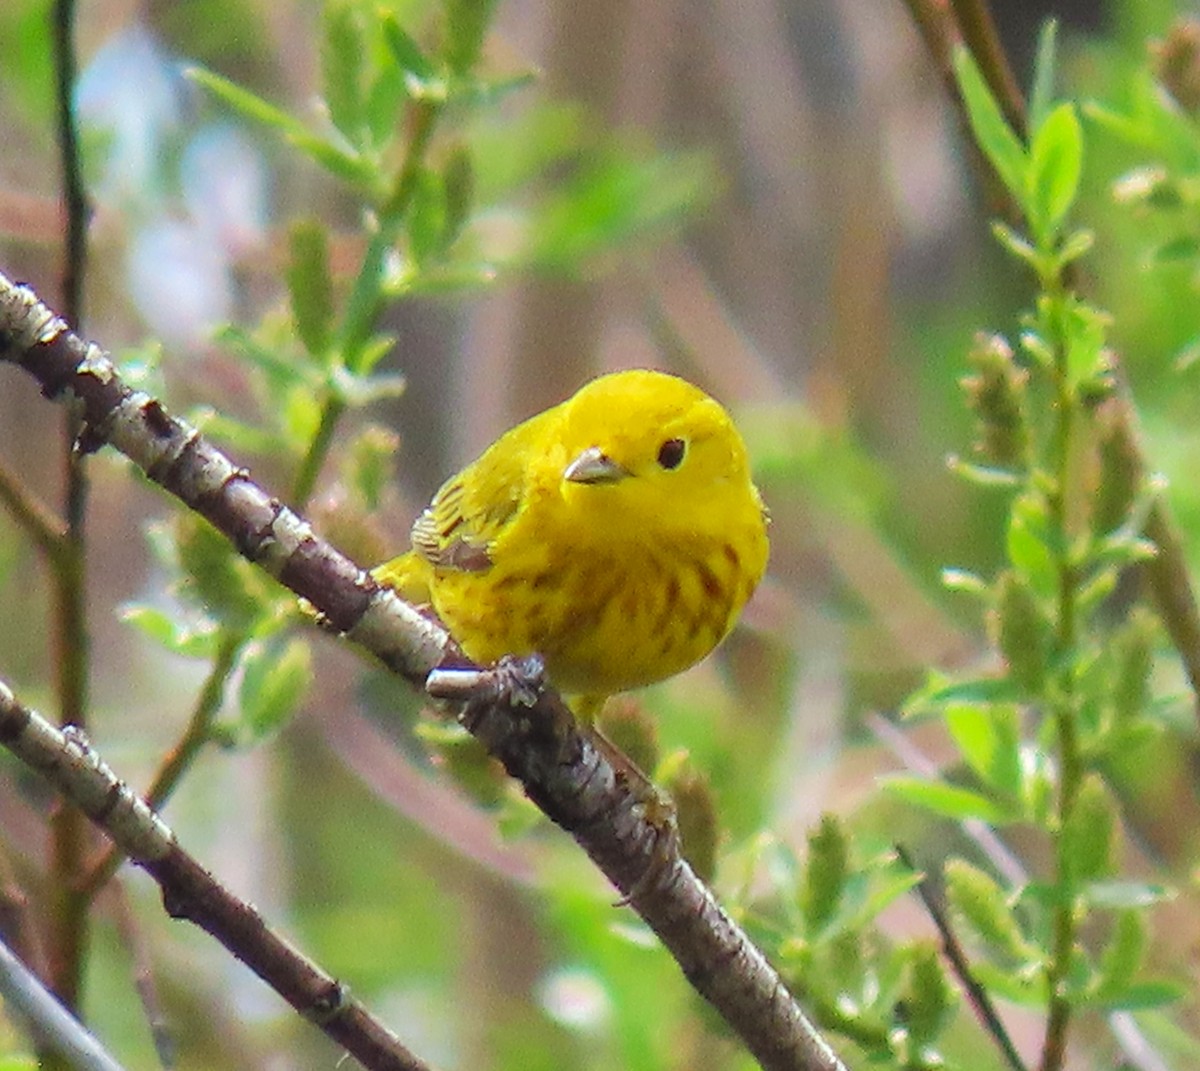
{"points": [[650, 448]]}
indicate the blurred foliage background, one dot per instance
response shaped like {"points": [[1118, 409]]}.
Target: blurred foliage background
{"points": [[773, 200]]}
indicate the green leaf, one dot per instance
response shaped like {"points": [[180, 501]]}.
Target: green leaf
{"points": [[191, 641], [984, 906], [276, 674], [310, 285], [1023, 632], [372, 352], [1141, 996], [825, 874], [1093, 593], [949, 801], [370, 463], [989, 739], [1126, 127], [929, 1000], [384, 104], [1133, 662], [978, 690], [1120, 895], [880, 893], [1086, 331], [1017, 244], [1030, 545], [1087, 835], [229, 431], [480, 93], [1122, 956], [218, 579], [343, 54], [696, 815], [1024, 988], [1075, 245], [1056, 162], [466, 26], [466, 761], [614, 200], [248, 104], [426, 223], [442, 278], [405, 50], [964, 581], [280, 365], [994, 136], [1037, 347], [334, 159], [983, 475], [358, 391], [511, 154], [299, 416], [1037, 784], [458, 183], [1181, 250], [1042, 94]]}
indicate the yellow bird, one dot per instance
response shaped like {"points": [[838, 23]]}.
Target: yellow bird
{"points": [[617, 534]]}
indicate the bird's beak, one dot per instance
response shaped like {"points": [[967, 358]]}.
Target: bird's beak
{"points": [[594, 466]]}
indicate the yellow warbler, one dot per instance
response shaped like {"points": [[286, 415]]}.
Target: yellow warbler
{"points": [[617, 534]]}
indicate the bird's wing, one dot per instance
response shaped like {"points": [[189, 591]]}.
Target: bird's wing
{"points": [[473, 508]]}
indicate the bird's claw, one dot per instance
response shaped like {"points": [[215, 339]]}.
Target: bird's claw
{"points": [[519, 681]]}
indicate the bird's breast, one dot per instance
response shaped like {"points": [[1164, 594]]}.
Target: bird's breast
{"points": [[605, 621]]}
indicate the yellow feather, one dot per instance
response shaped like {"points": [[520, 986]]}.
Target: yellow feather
{"points": [[618, 534]]}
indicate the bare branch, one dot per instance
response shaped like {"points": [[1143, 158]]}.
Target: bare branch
{"points": [[189, 891]]}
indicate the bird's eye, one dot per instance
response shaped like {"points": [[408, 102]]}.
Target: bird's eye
{"points": [[670, 454]]}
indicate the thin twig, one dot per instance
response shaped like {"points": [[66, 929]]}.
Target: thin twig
{"points": [[935, 23], [18, 925], [70, 164], [1171, 586], [318, 450], [69, 831], [940, 32], [957, 959], [363, 306], [134, 943], [978, 30], [51, 1024], [33, 516]]}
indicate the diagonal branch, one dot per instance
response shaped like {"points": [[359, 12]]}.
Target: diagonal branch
{"points": [[65, 758], [559, 767], [33, 516], [977, 995], [51, 1023], [177, 760]]}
